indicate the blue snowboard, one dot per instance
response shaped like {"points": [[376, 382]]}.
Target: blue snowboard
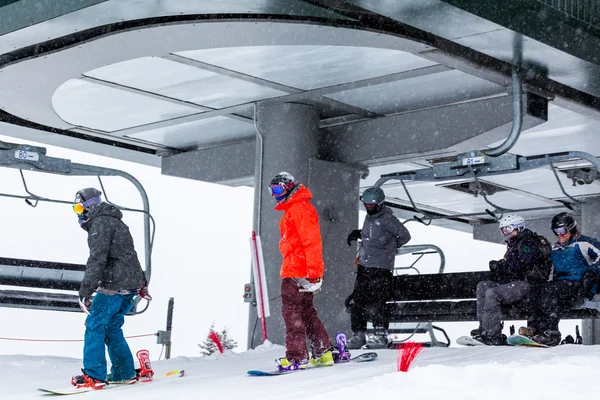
{"points": [[360, 358]]}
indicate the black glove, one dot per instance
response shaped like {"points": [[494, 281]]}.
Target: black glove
{"points": [[354, 235], [348, 303], [495, 265], [497, 271]]}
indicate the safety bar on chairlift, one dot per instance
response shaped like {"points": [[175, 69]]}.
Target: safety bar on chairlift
{"points": [[419, 249]]}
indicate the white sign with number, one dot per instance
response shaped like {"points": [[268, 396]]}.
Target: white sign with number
{"points": [[27, 155], [473, 161]]}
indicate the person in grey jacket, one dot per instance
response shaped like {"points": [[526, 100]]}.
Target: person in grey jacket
{"points": [[381, 235], [114, 273]]}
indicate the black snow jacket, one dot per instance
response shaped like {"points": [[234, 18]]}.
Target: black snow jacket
{"points": [[523, 254], [382, 234], [113, 262]]}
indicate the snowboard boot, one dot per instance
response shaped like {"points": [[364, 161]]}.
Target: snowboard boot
{"points": [[548, 338], [283, 364], [477, 334], [123, 382], [494, 340], [325, 360], [378, 340], [357, 341], [85, 381]]}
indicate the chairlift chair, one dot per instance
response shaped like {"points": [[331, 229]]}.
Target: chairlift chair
{"points": [[35, 278]]}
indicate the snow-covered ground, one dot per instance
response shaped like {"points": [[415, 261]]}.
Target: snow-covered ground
{"points": [[437, 373]]}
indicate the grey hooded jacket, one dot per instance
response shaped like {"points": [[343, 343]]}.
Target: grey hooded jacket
{"points": [[382, 233], [113, 262]]}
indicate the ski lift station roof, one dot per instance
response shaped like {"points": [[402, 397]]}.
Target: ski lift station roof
{"points": [[424, 88]]}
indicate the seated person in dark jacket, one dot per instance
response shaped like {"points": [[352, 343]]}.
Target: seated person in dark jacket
{"points": [[509, 279], [576, 260]]}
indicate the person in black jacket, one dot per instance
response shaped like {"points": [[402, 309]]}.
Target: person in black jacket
{"points": [[509, 278], [114, 273], [381, 235]]}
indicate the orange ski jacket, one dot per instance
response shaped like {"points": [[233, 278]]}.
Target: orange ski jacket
{"points": [[300, 243]]}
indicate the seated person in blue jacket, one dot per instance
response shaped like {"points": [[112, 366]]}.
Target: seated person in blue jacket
{"points": [[576, 261], [509, 277]]}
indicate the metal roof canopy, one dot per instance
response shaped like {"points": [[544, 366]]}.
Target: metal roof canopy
{"points": [[162, 80], [54, 275]]}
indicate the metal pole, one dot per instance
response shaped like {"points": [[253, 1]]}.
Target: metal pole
{"points": [[169, 326]]}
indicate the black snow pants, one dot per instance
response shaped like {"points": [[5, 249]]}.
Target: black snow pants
{"points": [[547, 300], [372, 290]]}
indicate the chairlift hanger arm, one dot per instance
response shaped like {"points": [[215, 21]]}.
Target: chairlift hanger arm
{"points": [[477, 164], [486, 166], [483, 194], [561, 185]]}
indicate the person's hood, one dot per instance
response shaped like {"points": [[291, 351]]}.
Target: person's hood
{"points": [[300, 193], [102, 209]]}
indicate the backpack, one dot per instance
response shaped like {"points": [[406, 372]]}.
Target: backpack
{"points": [[542, 268]]}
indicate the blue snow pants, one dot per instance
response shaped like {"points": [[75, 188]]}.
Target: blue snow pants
{"points": [[103, 328]]}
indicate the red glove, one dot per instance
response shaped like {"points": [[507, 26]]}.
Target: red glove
{"points": [[143, 292], [85, 305]]}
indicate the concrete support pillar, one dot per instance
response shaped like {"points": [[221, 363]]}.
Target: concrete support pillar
{"points": [[590, 226], [288, 140]]}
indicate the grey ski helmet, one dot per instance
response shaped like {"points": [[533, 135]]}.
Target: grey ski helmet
{"points": [[373, 195], [84, 200], [84, 195]]}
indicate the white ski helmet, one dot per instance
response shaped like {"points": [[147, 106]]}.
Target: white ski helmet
{"points": [[510, 222]]}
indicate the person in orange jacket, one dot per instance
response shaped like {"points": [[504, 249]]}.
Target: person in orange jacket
{"points": [[301, 275]]}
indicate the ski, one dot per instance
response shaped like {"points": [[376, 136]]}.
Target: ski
{"points": [[365, 357]]}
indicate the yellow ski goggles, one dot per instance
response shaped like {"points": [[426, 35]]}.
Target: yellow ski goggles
{"points": [[79, 208]]}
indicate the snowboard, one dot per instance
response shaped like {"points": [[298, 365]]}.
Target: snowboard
{"points": [[144, 374], [73, 390], [357, 359], [468, 341], [518, 340]]}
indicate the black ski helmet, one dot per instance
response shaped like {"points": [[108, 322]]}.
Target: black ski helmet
{"points": [[565, 220], [373, 195]]}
